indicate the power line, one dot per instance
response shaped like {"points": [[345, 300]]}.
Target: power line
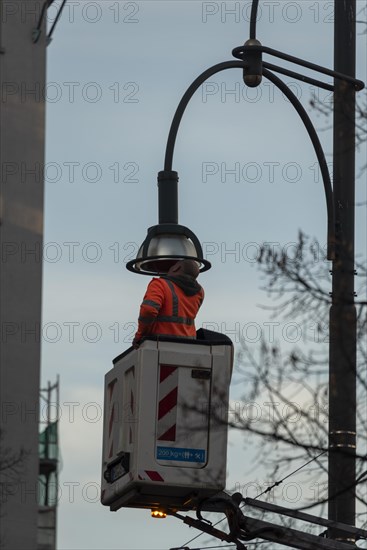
{"points": [[213, 547], [266, 491], [205, 547]]}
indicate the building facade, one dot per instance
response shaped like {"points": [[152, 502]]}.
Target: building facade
{"points": [[22, 136]]}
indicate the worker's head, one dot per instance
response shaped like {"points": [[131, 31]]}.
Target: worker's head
{"points": [[185, 267]]}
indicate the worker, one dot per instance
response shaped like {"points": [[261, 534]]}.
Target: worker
{"points": [[171, 303]]}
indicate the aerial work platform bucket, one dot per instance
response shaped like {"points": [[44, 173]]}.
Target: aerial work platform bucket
{"points": [[165, 423]]}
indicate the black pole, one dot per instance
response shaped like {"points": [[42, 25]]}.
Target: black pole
{"points": [[167, 196], [342, 374]]}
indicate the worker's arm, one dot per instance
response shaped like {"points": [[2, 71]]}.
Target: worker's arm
{"points": [[149, 309]]}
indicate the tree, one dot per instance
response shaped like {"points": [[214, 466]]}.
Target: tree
{"points": [[290, 385], [291, 382], [11, 466]]}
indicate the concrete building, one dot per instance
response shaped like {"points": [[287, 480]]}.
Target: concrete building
{"points": [[22, 136]]}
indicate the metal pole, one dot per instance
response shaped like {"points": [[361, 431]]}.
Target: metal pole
{"points": [[342, 374]]}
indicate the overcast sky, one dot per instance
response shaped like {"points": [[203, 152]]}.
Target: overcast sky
{"points": [[248, 174]]}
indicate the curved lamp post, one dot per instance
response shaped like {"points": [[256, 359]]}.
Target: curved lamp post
{"points": [[168, 241]]}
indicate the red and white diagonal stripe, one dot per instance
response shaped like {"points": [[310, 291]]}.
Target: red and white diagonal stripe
{"points": [[130, 382], [151, 475], [112, 416], [167, 403]]}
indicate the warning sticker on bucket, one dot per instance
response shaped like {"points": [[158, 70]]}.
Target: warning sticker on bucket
{"points": [[184, 455]]}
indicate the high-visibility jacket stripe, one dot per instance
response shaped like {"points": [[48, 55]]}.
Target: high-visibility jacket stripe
{"points": [[174, 319], [174, 299], [151, 303], [167, 319], [169, 335], [147, 320]]}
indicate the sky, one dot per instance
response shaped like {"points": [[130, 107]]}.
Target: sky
{"points": [[116, 71]]}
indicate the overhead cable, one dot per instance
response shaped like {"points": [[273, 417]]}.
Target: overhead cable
{"points": [[266, 491]]}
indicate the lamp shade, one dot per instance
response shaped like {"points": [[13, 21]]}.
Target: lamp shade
{"points": [[164, 245]]}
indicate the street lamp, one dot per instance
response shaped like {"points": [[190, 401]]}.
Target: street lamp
{"points": [[168, 241]]}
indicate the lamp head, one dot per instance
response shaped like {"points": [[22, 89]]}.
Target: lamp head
{"points": [[164, 245]]}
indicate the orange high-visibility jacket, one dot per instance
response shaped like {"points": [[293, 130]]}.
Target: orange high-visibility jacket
{"points": [[168, 311]]}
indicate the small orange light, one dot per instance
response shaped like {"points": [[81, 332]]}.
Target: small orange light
{"points": [[158, 514]]}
